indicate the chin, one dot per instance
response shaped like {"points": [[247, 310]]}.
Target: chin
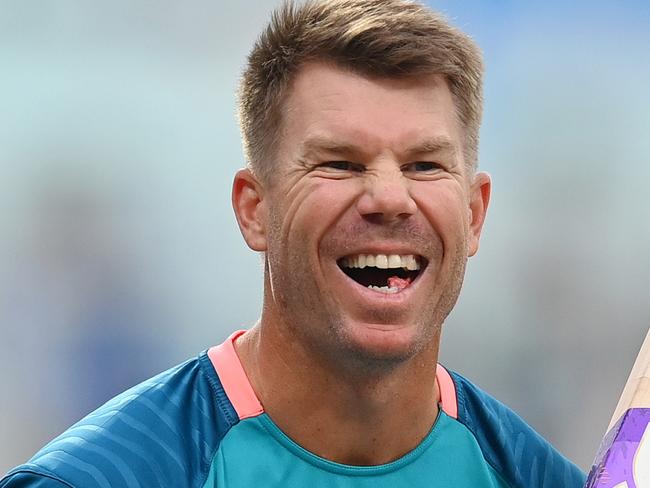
{"points": [[385, 344]]}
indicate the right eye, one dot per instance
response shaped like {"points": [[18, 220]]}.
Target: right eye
{"points": [[341, 166]]}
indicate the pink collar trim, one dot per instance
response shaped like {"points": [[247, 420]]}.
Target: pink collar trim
{"points": [[447, 389], [226, 363], [233, 378]]}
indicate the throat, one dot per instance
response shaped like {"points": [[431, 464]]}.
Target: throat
{"points": [[365, 440], [353, 422]]}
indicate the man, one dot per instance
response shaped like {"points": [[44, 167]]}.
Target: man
{"points": [[360, 124]]}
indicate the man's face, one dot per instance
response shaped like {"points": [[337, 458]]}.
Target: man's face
{"points": [[371, 214]]}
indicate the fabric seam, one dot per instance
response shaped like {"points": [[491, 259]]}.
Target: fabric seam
{"points": [[220, 399], [220, 395], [38, 471], [468, 424]]}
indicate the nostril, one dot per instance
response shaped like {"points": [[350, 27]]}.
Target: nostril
{"points": [[374, 218], [386, 205], [384, 217]]}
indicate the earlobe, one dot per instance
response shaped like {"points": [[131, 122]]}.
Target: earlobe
{"points": [[478, 205], [247, 202]]}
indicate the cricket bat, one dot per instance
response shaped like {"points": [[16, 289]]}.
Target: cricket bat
{"points": [[623, 459]]}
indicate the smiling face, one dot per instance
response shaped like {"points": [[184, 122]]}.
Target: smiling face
{"points": [[370, 217]]}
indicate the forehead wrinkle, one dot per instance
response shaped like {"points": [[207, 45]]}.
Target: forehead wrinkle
{"points": [[435, 145]]}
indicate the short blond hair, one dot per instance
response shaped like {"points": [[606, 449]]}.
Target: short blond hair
{"points": [[376, 38]]}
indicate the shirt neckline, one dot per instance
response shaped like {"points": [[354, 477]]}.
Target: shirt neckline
{"points": [[226, 363]]}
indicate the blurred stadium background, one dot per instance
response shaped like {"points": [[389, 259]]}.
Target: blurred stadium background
{"points": [[119, 254]]}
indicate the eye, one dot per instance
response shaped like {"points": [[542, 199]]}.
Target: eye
{"points": [[421, 167], [341, 166]]}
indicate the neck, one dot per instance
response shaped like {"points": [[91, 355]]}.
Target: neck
{"points": [[343, 417]]}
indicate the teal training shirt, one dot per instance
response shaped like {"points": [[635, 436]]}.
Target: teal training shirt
{"points": [[201, 425], [448, 456]]}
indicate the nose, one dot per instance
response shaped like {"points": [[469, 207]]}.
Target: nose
{"points": [[386, 197]]}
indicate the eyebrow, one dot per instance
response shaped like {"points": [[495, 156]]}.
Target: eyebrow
{"points": [[320, 143], [433, 145]]}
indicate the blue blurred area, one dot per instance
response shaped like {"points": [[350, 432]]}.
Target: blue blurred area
{"points": [[119, 254]]}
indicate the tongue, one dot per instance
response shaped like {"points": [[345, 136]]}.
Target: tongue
{"points": [[399, 283]]}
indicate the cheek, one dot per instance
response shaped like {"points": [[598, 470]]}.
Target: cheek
{"points": [[319, 206], [446, 210]]}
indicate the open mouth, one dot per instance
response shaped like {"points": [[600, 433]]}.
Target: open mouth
{"points": [[381, 272]]}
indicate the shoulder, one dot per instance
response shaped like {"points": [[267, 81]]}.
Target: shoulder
{"points": [[31, 477], [513, 448], [162, 432]]}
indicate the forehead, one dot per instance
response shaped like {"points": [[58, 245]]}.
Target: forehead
{"points": [[329, 102]]}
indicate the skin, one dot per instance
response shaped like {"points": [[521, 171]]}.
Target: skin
{"points": [[364, 165]]}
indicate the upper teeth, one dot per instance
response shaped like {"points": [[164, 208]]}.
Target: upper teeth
{"points": [[383, 261]]}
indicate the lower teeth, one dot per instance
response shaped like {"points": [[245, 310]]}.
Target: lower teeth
{"points": [[384, 289]]}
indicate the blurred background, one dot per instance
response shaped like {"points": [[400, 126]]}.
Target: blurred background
{"points": [[120, 256]]}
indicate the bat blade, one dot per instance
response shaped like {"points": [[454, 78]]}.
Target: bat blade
{"points": [[623, 459]]}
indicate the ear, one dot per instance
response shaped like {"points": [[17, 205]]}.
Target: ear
{"points": [[247, 202], [478, 205]]}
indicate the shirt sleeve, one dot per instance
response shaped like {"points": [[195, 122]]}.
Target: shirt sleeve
{"points": [[30, 479]]}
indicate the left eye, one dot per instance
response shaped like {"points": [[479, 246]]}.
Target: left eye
{"points": [[421, 166]]}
